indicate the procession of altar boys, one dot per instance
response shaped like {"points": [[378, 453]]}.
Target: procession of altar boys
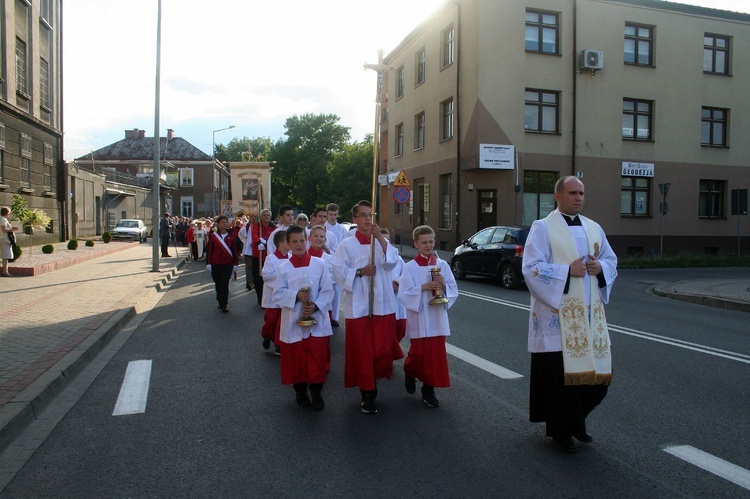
{"points": [[301, 267]]}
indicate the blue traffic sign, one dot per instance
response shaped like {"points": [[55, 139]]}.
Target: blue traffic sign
{"points": [[401, 195]]}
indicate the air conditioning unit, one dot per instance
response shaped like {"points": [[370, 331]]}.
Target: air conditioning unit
{"points": [[592, 60]]}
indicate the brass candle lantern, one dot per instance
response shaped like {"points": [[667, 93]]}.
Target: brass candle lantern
{"points": [[439, 298], [305, 320]]}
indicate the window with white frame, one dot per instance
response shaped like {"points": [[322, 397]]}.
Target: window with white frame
{"points": [[2, 136], [25, 153], [448, 46], [186, 206], [420, 67], [419, 126], [49, 161], [46, 11], [186, 177], [446, 126], [2, 166], [21, 66], [446, 208]]}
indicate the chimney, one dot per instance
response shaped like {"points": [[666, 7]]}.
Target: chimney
{"points": [[170, 134], [131, 134], [141, 134]]}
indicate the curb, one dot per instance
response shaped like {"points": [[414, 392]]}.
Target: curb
{"points": [[19, 413], [68, 262], [709, 301]]}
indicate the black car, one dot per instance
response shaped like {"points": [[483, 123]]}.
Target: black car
{"points": [[494, 251]]}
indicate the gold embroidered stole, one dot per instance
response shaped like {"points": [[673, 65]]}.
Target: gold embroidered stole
{"points": [[585, 339]]}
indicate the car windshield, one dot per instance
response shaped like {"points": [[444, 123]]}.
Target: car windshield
{"points": [[127, 223]]}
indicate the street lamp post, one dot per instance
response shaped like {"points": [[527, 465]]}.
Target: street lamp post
{"points": [[213, 167]]}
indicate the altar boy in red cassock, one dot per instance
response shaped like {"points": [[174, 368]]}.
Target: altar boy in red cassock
{"points": [[371, 344], [305, 290], [272, 312], [426, 324]]}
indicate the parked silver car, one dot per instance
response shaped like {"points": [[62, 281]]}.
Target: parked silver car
{"points": [[130, 228]]}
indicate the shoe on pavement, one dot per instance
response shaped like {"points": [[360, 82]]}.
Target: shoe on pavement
{"points": [[368, 406], [302, 399], [411, 384], [430, 400], [266, 343], [317, 399], [566, 445], [277, 350], [584, 438]]}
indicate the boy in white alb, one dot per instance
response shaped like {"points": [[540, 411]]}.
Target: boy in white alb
{"points": [[371, 345], [304, 290], [286, 220], [339, 231], [426, 324], [270, 273]]}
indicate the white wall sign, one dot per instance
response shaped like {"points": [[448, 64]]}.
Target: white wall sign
{"points": [[497, 157], [631, 169]]}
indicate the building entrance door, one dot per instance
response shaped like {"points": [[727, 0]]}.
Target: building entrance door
{"points": [[487, 209]]}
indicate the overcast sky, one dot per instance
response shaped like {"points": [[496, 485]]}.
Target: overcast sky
{"points": [[248, 63]]}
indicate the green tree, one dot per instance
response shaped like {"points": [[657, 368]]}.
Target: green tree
{"points": [[237, 149], [301, 176], [350, 172]]}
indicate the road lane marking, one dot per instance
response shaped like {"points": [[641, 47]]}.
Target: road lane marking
{"points": [[717, 352], [481, 363], [134, 390], [713, 464]]}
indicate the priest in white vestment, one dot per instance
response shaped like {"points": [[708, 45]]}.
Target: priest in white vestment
{"points": [[570, 269]]}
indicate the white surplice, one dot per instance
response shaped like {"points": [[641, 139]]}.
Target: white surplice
{"points": [[270, 275], [546, 281], [422, 319], [291, 280], [352, 255]]}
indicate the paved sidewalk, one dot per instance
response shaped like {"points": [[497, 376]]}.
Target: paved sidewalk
{"points": [[54, 324], [732, 294]]}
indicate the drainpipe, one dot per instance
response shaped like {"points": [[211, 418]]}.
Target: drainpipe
{"points": [[458, 120], [575, 88]]}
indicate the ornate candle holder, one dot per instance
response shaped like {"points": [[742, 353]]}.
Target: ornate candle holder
{"points": [[305, 320], [437, 293]]}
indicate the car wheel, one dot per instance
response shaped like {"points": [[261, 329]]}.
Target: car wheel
{"points": [[508, 277], [459, 271]]}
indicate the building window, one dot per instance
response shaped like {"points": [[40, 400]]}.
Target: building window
{"points": [[21, 66], [538, 195], [44, 83], [639, 45], [635, 196], [636, 119], [186, 177], [541, 114], [400, 139], [421, 59], [419, 123], [446, 195], [714, 126], [400, 82], [446, 131], [715, 54], [46, 11], [49, 154], [2, 167], [711, 199], [448, 46], [186, 206], [25, 146], [2, 136], [25, 153], [542, 32], [47, 177]]}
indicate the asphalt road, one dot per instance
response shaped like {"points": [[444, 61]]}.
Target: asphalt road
{"points": [[218, 422]]}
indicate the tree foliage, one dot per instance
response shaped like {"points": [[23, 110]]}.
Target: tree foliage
{"points": [[244, 149], [350, 174]]}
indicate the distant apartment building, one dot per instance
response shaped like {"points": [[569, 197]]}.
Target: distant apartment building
{"points": [[31, 128], [189, 186], [488, 102]]}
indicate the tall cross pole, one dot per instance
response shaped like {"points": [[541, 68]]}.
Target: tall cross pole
{"points": [[380, 68]]}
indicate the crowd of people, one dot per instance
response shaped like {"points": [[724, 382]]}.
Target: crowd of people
{"points": [[300, 267]]}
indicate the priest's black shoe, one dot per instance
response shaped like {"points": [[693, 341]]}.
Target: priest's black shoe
{"points": [[584, 438], [410, 383]]}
